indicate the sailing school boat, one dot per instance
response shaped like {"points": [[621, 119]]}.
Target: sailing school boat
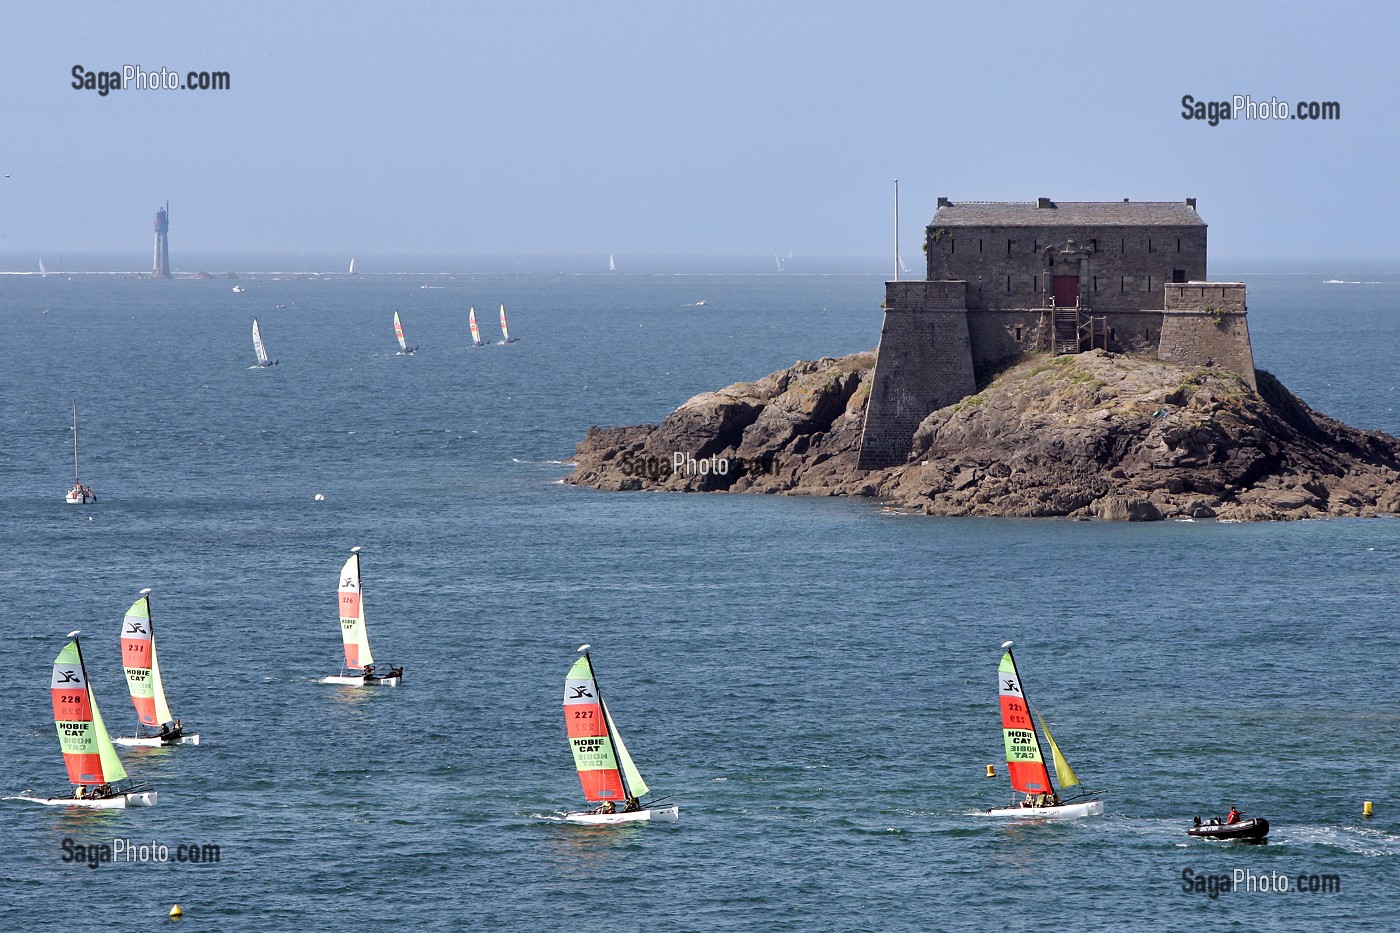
{"points": [[79, 494], [505, 331], [143, 680], [1024, 763], [404, 348], [87, 750], [605, 769], [477, 342], [359, 660], [263, 361]]}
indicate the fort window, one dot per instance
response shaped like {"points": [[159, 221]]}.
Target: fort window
{"points": [[1149, 244], [1149, 284], [1178, 244], [1035, 283], [979, 245], [1123, 285], [1122, 246], [1094, 245], [1008, 248], [1018, 333], [952, 244], [1008, 284], [1096, 285], [1178, 275], [1112, 335]]}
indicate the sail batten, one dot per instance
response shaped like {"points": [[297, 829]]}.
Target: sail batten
{"points": [[88, 752], [353, 633]]}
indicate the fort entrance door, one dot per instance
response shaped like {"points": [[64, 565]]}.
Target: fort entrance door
{"points": [[1066, 291]]}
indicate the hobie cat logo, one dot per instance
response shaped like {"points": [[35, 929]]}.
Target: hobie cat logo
{"points": [[581, 692], [137, 628], [68, 677]]}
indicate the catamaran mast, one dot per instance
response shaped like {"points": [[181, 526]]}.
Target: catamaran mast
{"points": [[1030, 714], [75, 442], [607, 726], [896, 229]]}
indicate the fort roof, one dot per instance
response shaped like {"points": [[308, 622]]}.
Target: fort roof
{"points": [[1047, 213]]}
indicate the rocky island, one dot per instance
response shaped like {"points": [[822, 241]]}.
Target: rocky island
{"points": [[1089, 435]]}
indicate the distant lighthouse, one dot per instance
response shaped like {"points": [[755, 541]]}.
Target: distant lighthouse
{"points": [[161, 269]]}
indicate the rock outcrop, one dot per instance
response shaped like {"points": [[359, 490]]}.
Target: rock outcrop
{"points": [[1093, 435]]}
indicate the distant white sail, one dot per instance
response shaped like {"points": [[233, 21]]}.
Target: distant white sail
{"points": [[612, 265], [258, 347], [42, 270], [352, 266]]}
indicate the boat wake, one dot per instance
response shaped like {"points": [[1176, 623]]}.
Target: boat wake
{"points": [[543, 462]]}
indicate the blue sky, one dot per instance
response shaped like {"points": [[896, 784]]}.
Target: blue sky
{"points": [[717, 128]]}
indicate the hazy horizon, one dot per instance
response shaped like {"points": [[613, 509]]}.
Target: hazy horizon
{"points": [[680, 129]]}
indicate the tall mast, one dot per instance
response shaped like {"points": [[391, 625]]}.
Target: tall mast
{"points": [[607, 726], [75, 441], [1030, 714], [896, 229]]}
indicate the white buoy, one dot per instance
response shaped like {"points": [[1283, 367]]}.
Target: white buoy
{"points": [[320, 498]]}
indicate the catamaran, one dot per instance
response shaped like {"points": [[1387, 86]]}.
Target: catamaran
{"points": [[144, 681], [1024, 763], [505, 331], [87, 750], [258, 348], [605, 769], [359, 661], [79, 494], [477, 342], [404, 348], [612, 263]]}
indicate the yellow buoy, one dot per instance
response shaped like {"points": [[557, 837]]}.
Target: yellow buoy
{"points": [[175, 911], [1366, 808], [991, 770]]}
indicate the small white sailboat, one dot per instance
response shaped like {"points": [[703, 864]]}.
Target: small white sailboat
{"points": [[352, 266], [142, 667], [477, 342], [359, 660], [42, 270], [87, 750], [263, 360], [239, 289], [404, 348], [605, 769], [79, 494], [1024, 763], [505, 331], [612, 263]]}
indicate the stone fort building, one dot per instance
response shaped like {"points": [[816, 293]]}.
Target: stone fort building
{"points": [[1007, 280]]}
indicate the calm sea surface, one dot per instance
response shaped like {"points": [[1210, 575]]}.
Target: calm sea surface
{"points": [[811, 679]]}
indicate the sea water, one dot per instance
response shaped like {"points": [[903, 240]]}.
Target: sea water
{"points": [[811, 680]]}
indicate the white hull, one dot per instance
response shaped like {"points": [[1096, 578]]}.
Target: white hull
{"points": [[360, 681], [659, 814], [502, 343], [117, 802], [75, 499], [153, 741], [1068, 811]]}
